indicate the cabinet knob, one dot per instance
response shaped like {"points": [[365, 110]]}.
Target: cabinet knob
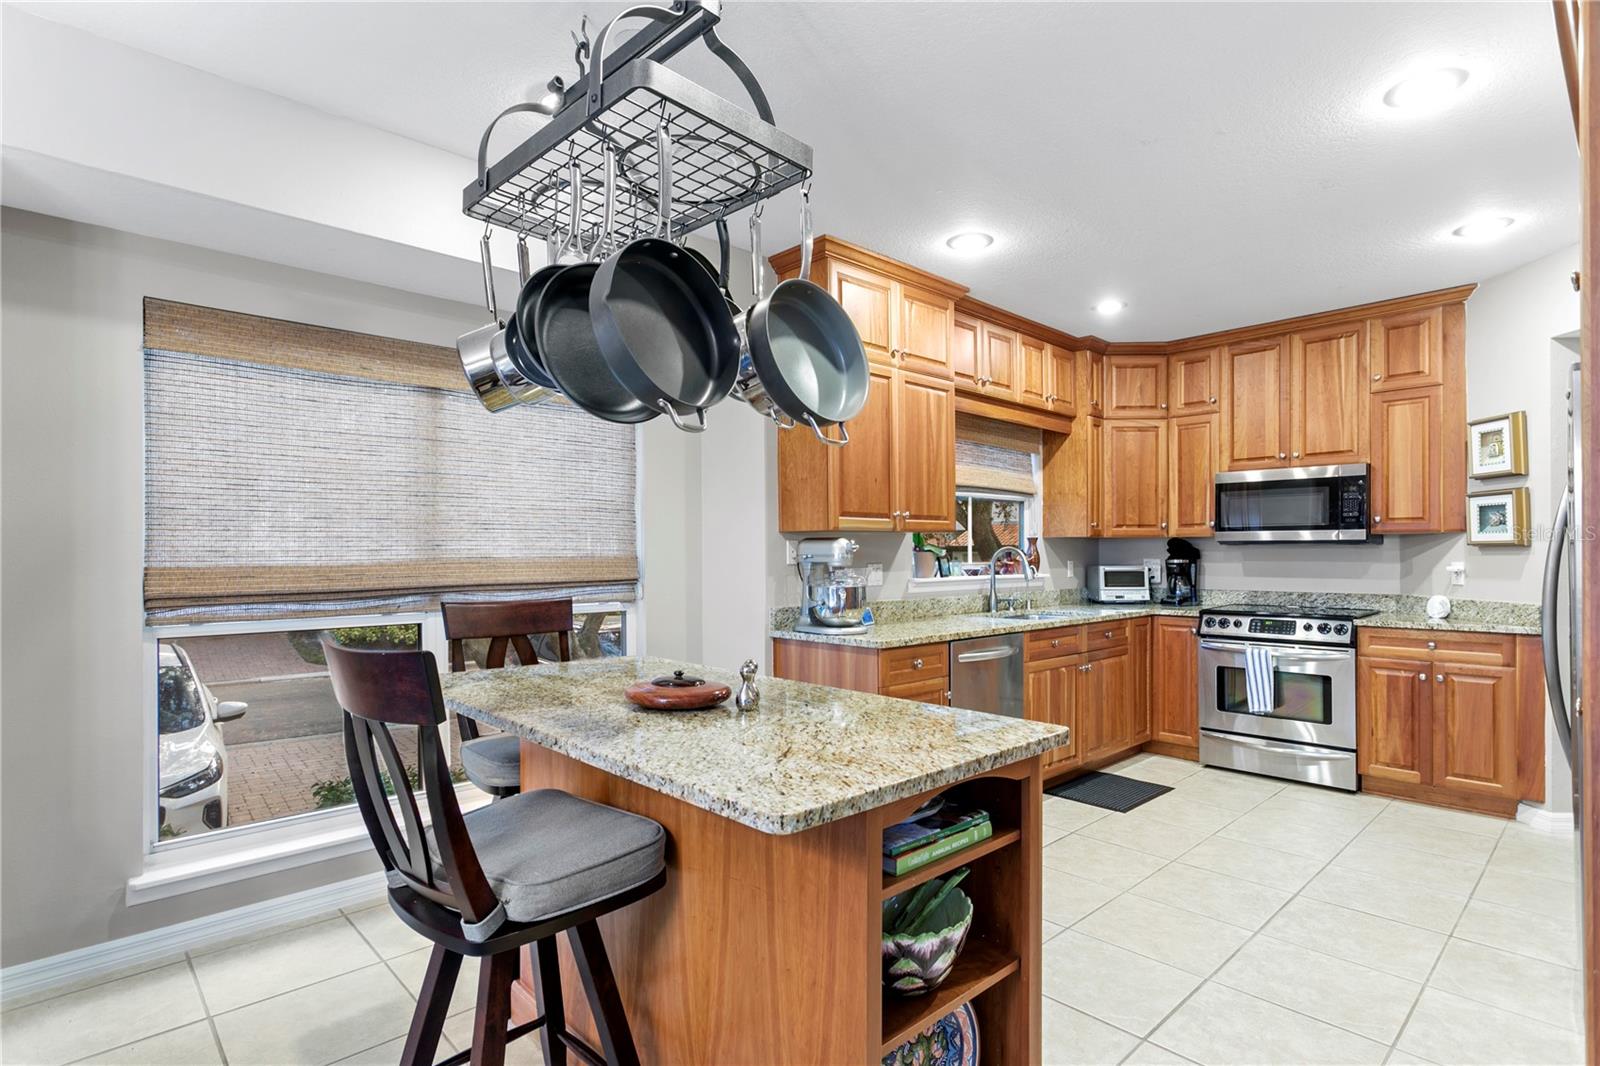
{"points": [[1282, 456], [1439, 678], [1055, 643], [1433, 645], [1163, 406], [916, 664], [1422, 677], [1297, 455], [1377, 518], [1163, 525], [1108, 634], [1377, 377], [1211, 399]]}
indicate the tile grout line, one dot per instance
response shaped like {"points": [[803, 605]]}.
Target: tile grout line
{"points": [[205, 1005]]}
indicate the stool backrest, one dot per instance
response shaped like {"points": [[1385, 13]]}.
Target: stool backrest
{"points": [[507, 625], [381, 691]]}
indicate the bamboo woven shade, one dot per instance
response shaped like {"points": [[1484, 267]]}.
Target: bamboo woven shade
{"points": [[280, 475], [994, 455]]}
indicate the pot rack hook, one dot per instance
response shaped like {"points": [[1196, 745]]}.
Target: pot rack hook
{"points": [[488, 274], [580, 52], [805, 230], [758, 281]]}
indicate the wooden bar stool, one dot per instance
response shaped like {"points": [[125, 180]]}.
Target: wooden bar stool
{"points": [[514, 873], [493, 762]]}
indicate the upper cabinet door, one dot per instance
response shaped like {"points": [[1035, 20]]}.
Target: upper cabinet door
{"points": [[1192, 470], [966, 346], [999, 363], [1134, 477], [1062, 381], [923, 337], [925, 453], [1407, 350], [863, 481], [1091, 383], [1136, 386], [1033, 372], [868, 299], [1252, 435], [1327, 396], [1407, 461], [1194, 379]]}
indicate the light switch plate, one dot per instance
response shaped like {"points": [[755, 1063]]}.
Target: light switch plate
{"points": [[791, 553], [1152, 571], [1457, 572], [874, 575]]}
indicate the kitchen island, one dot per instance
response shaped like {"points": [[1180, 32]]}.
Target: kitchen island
{"points": [[764, 946]]}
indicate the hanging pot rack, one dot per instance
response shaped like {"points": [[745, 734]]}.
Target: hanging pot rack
{"points": [[727, 158]]}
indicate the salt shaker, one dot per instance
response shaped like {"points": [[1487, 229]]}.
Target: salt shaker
{"points": [[747, 699]]}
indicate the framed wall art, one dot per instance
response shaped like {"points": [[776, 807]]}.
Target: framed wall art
{"points": [[1498, 446], [1499, 518]]}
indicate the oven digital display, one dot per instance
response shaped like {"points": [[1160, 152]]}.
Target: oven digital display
{"points": [[1273, 627]]}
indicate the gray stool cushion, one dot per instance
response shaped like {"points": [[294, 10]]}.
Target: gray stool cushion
{"points": [[547, 851], [494, 761]]}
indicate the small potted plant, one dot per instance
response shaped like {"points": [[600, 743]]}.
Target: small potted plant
{"points": [[926, 559]]}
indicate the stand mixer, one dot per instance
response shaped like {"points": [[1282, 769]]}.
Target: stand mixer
{"points": [[833, 597]]}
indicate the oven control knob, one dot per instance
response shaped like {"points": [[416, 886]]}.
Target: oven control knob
{"points": [[1324, 628], [1309, 627], [1237, 624], [1341, 629]]}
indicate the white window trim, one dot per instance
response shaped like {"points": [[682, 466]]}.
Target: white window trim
{"points": [[189, 864], [1032, 521]]}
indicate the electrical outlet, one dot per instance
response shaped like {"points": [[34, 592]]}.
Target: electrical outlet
{"points": [[1457, 572], [874, 575], [1152, 571], [791, 554], [1069, 569]]}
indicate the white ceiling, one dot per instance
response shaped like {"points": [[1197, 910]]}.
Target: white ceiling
{"points": [[1214, 164]]}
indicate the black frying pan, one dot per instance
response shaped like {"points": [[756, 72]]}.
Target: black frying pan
{"points": [[571, 352]]}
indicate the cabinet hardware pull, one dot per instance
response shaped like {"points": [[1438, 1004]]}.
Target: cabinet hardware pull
{"points": [[1211, 399], [1055, 643], [1432, 645], [1439, 678], [1377, 377], [1282, 456], [916, 664], [1422, 677], [1163, 407], [1377, 518], [1297, 455], [1163, 525]]}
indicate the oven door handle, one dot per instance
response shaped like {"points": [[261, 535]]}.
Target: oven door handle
{"points": [[1284, 654]]}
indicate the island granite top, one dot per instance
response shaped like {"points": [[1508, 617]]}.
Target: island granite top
{"points": [[808, 756]]}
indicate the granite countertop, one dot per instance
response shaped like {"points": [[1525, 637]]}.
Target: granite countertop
{"points": [[1480, 616], [809, 755]]}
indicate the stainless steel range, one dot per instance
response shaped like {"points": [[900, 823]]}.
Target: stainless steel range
{"points": [[1277, 691]]}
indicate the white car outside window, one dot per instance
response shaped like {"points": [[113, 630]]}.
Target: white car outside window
{"points": [[194, 782]]}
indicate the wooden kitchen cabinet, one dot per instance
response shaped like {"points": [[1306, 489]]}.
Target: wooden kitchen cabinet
{"points": [[868, 298], [1408, 350], [922, 337], [1109, 704], [1091, 383], [1072, 474], [1450, 718], [919, 672], [1252, 424], [1050, 695], [1194, 381], [1139, 659], [999, 363], [1174, 688], [966, 348], [1033, 372], [1062, 383], [1408, 491], [1136, 386], [1134, 478], [1191, 470], [1323, 401], [896, 474]]}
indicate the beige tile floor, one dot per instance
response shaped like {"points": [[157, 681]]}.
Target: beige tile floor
{"points": [[1235, 920]]}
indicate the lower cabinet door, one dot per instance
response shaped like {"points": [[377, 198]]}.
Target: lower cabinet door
{"points": [[935, 690], [1392, 741], [1474, 729], [1049, 696], [1175, 701]]}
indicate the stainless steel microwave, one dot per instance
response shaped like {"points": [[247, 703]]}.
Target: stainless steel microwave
{"points": [[1306, 503], [1119, 584]]}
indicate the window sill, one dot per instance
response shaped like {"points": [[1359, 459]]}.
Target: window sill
{"points": [[942, 586], [208, 863]]}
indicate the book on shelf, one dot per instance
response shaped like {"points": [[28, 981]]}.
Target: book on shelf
{"points": [[914, 833], [949, 844]]}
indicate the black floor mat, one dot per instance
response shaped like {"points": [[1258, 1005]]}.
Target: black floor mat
{"points": [[1114, 793]]}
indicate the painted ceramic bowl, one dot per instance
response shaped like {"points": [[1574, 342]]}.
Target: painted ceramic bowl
{"points": [[950, 1041], [914, 963]]}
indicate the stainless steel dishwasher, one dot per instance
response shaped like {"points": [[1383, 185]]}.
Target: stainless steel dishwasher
{"points": [[986, 674]]}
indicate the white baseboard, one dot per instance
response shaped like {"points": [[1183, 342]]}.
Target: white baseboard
{"points": [[1546, 821], [84, 964]]}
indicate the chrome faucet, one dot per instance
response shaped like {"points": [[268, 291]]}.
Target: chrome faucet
{"points": [[1027, 572]]}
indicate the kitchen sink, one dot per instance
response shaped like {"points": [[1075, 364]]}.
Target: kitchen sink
{"points": [[1038, 616]]}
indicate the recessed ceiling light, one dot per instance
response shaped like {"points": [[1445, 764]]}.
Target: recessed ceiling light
{"points": [[1110, 305], [1426, 91], [968, 243], [1483, 229]]}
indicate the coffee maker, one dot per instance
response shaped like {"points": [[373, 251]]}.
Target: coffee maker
{"points": [[833, 597], [1183, 574]]}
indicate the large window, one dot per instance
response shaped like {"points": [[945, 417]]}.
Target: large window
{"points": [[987, 521], [246, 727]]}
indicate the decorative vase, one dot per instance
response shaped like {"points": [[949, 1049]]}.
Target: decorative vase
{"points": [[914, 963]]}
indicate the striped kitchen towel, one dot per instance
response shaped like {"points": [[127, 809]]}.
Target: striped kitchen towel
{"points": [[1258, 679]]}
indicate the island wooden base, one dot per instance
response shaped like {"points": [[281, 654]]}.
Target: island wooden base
{"points": [[765, 949]]}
